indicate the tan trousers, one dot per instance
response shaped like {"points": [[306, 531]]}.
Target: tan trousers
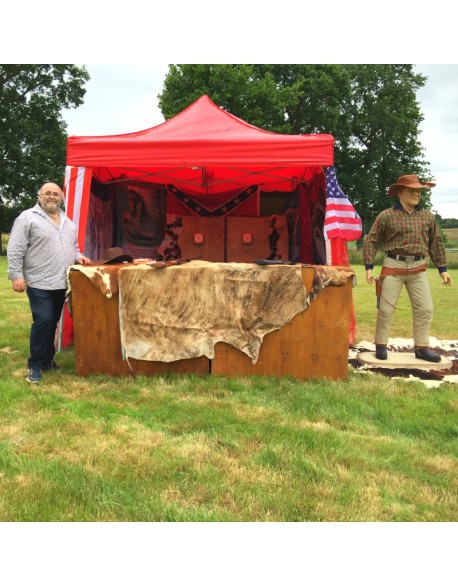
{"points": [[419, 292]]}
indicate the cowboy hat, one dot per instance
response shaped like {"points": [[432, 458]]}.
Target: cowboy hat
{"points": [[409, 181], [114, 255]]}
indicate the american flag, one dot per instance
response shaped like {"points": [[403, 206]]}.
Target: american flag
{"points": [[341, 219]]}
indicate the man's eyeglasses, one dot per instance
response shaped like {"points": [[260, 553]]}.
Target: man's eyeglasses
{"points": [[55, 194]]}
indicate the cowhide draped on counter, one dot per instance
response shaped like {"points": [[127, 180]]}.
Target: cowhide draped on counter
{"points": [[181, 312]]}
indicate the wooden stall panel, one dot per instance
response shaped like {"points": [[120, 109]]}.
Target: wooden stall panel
{"points": [[248, 238], [313, 344], [97, 337], [202, 237]]}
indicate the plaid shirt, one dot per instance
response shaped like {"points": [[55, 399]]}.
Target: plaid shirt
{"points": [[399, 232]]}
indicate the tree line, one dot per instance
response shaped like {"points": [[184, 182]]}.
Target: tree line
{"points": [[447, 222], [371, 110]]}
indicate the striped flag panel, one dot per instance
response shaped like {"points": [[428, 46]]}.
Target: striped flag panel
{"points": [[341, 219], [77, 190]]}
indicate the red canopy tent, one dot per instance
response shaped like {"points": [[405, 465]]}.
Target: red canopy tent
{"points": [[205, 148], [206, 152]]}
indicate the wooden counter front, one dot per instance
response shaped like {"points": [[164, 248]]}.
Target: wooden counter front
{"points": [[313, 344], [98, 340]]}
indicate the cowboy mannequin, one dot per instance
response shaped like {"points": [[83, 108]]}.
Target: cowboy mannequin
{"points": [[407, 234]]}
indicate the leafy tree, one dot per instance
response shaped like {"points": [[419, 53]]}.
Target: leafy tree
{"points": [[384, 117], [32, 131], [288, 99], [234, 88], [371, 110]]}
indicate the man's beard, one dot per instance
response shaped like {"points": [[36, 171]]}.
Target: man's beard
{"points": [[50, 206]]}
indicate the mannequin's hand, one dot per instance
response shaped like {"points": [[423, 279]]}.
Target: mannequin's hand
{"points": [[446, 279]]}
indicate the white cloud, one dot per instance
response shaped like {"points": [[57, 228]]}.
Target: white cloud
{"points": [[119, 99]]}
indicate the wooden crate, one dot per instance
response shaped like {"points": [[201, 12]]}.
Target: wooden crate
{"points": [[260, 230], [313, 344], [97, 337]]}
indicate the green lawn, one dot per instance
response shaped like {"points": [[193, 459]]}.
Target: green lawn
{"points": [[188, 448]]}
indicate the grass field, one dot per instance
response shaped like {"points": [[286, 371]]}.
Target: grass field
{"points": [[188, 448]]}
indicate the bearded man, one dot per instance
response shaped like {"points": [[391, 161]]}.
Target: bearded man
{"points": [[43, 244]]}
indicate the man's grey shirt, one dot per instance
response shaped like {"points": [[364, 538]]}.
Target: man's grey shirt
{"points": [[41, 252]]}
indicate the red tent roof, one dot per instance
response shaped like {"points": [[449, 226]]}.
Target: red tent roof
{"points": [[205, 149]]}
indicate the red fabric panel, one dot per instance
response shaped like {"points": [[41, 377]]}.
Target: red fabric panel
{"points": [[67, 328], [339, 256], [339, 252]]}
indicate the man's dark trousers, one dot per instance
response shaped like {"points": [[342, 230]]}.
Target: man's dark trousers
{"points": [[46, 307]]}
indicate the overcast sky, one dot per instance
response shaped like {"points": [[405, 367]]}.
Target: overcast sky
{"points": [[123, 98]]}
